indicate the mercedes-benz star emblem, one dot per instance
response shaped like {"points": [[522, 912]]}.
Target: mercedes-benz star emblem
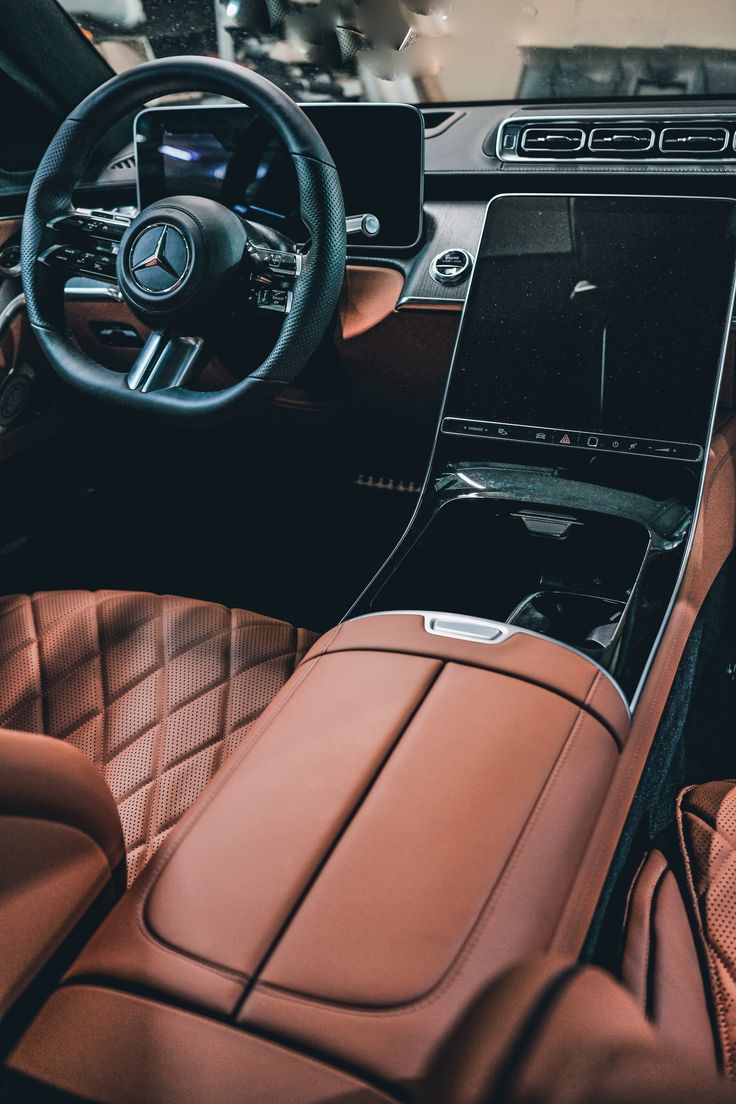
{"points": [[159, 258]]}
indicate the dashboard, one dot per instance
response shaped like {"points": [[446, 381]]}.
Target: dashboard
{"points": [[232, 155]]}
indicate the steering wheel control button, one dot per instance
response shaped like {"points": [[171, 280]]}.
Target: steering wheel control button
{"points": [[451, 267], [274, 299], [159, 259], [284, 264], [100, 262], [105, 227]]}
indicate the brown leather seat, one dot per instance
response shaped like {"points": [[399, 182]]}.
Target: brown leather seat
{"points": [[156, 691], [62, 863], [679, 956]]}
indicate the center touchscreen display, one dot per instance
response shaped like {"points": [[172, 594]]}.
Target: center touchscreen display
{"points": [[596, 322]]}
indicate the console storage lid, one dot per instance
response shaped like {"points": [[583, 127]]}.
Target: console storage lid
{"points": [[404, 822]]}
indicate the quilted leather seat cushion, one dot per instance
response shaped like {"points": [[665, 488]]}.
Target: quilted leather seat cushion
{"points": [[157, 691]]}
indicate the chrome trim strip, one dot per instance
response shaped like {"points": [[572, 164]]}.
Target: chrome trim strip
{"points": [[504, 630], [417, 302], [101, 291]]}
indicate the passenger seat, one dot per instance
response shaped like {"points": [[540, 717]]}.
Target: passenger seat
{"points": [[679, 956]]}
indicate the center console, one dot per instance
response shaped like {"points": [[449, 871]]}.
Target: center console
{"points": [[569, 459], [403, 822]]}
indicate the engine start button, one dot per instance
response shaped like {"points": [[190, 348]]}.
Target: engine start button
{"points": [[451, 267]]}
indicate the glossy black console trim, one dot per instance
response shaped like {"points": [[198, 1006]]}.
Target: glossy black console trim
{"points": [[422, 515]]}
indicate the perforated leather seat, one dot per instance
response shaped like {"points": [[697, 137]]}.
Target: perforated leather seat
{"points": [[156, 691], [679, 956]]}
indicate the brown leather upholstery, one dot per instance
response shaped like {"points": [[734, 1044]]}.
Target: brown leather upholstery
{"points": [[707, 829], [545, 1032], [156, 691], [61, 845], [551, 1033], [660, 965], [680, 941], [127, 1050], [402, 823]]}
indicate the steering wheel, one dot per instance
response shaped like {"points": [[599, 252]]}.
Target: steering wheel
{"points": [[184, 265]]}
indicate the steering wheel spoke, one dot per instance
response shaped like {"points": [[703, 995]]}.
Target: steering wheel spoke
{"points": [[82, 243], [166, 362]]}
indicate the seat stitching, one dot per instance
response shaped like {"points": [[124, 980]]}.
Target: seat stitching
{"points": [[160, 728], [39, 669]]}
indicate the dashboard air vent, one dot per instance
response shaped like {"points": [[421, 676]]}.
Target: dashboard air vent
{"points": [[692, 139], [122, 164], [615, 138], [621, 139], [437, 120], [553, 139]]}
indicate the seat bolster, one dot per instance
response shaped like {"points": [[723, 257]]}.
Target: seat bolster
{"points": [[47, 779], [660, 965], [706, 821], [586, 1042], [61, 842]]}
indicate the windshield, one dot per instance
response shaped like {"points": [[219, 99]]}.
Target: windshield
{"points": [[434, 51]]}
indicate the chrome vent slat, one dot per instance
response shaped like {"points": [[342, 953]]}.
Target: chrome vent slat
{"points": [[694, 139], [620, 139], [617, 138]]}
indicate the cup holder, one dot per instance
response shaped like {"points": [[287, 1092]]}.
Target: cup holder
{"points": [[586, 622]]}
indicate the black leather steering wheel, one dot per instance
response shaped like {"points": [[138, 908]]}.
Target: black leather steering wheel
{"points": [[185, 260]]}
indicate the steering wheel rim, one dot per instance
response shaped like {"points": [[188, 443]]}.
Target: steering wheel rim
{"points": [[316, 291]]}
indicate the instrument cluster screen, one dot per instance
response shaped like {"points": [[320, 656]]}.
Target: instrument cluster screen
{"points": [[230, 154]]}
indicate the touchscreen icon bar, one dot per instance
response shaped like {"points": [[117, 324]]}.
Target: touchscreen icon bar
{"points": [[568, 438]]}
